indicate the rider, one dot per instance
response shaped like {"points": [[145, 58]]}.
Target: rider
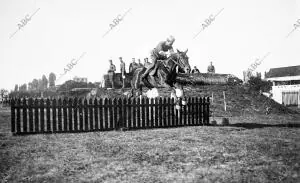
{"points": [[160, 53]]}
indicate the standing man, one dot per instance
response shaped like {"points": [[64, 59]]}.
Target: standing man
{"points": [[146, 62], [139, 63], [211, 68], [111, 73], [123, 71], [133, 65], [160, 53], [195, 70]]}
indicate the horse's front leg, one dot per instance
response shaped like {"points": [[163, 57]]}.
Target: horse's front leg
{"points": [[180, 93]]}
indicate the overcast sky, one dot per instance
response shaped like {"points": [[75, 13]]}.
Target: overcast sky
{"points": [[62, 30]]}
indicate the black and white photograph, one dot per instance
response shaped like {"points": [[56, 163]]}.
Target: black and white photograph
{"points": [[134, 91]]}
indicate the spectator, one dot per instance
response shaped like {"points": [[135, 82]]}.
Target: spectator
{"points": [[123, 71], [146, 62], [211, 68], [139, 63], [133, 65], [195, 70], [111, 73]]}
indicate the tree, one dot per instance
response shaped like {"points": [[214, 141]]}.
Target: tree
{"points": [[44, 82], [40, 85], [23, 87], [16, 88], [3, 92], [30, 86], [257, 84], [52, 78], [35, 84]]}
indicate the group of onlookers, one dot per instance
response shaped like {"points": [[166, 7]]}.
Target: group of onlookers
{"points": [[210, 69], [132, 66]]}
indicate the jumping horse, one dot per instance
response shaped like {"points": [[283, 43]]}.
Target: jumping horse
{"points": [[163, 76]]}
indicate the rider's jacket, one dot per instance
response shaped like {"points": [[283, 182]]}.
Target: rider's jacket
{"points": [[161, 47]]}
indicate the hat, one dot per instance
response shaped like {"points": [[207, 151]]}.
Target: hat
{"points": [[120, 57]]}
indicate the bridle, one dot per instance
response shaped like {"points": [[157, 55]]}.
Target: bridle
{"points": [[177, 62]]}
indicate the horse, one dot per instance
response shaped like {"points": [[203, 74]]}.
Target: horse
{"points": [[163, 75]]}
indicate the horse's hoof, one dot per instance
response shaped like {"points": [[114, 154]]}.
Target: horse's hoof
{"points": [[183, 102]]}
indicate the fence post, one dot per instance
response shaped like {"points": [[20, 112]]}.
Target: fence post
{"points": [[138, 108], [65, 115], [115, 121], [18, 115], [156, 117], [184, 111], [13, 119], [169, 108], [208, 104], [196, 109], [70, 107], [96, 114], [36, 115], [105, 113], [129, 125], [119, 122], [59, 114], [54, 129], [75, 114], [111, 115], [143, 125], [24, 112], [133, 113], [193, 111], [42, 115], [91, 106], [124, 114], [101, 113], [189, 105], [48, 115], [164, 112], [86, 119], [147, 107], [152, 113], [30, 102]]}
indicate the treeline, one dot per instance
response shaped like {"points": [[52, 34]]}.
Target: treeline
{"points": [[39, 85], [46, 88]]}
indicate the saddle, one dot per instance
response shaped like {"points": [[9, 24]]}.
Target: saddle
{"points": [[154, 70]]}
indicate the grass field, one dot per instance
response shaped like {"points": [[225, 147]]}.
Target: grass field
{"points": [[253, 149]]}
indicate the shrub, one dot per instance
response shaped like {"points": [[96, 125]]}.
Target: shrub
{"points": [[257, 84]]}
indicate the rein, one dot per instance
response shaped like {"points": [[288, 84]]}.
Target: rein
{"points": [[175, 62]]}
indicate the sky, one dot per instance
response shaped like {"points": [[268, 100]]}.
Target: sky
{"points": [[60, 31]]}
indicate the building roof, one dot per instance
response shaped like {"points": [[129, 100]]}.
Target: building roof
{"points": [[283, 72]]}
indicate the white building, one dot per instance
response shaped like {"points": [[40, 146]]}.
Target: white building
{"points": [[78, 79], [286, 84]]}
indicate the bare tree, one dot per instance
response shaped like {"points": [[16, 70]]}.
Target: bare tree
{"points": [[16, 88], [35, 84], [44, 82], [52, 78]]}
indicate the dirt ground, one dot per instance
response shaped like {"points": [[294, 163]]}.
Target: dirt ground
{"points": [[250, 149]]}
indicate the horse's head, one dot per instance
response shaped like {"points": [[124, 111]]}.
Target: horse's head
{"points": [[182, 60]]}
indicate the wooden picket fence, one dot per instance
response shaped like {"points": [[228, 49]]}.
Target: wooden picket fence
{"points": [[81, 115]]}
